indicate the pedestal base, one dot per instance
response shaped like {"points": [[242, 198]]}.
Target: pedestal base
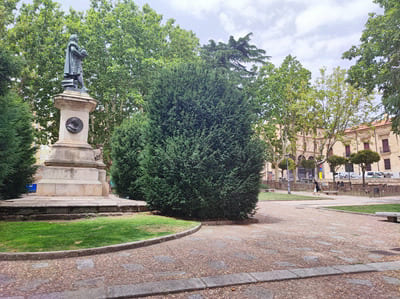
{"points": [[71, 155], [72, 169], [72, 181]]}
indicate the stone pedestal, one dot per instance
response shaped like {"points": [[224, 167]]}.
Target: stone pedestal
{"points": [[71, 169]]}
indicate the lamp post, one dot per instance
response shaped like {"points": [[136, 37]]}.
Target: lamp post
{"points": [[287, 170]]}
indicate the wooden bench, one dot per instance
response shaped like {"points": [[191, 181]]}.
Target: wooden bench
{"points": [[391, 216], [327, 192]]}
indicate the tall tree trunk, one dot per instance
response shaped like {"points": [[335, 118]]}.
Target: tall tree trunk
{"points": [[363, 176]]}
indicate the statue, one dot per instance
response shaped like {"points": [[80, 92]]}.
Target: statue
{"points": [[73, 73]]}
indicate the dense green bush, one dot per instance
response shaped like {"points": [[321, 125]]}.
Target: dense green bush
{"points": [[16, 135], [126, 145], [201, 158], [16, 150]]}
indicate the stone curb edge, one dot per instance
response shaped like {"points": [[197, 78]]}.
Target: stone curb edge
{"points": [[19, 256], [197, 284], [348, 212]]}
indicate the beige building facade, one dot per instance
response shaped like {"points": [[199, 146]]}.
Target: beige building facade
{"points": [[377, 137]]}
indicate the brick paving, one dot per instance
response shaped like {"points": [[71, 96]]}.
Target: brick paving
{"points": [[291, 238]]}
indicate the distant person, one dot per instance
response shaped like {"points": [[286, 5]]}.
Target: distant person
{"points": [[317, 188]]}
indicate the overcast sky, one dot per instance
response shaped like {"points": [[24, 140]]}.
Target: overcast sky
{"points": [[317, 32]]}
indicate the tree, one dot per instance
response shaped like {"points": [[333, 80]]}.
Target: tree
{"points": [[335, 106], [334, 163], [378, 57], [283, 165], [38, 37], [7, 16], [126, 146], [201, 157], [126, 45], [10, 67], [234, 58], [364, 158], [308, 165], [280, 95], [16, 135]]}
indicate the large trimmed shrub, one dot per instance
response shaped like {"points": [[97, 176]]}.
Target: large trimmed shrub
{"points": [[126, 145], [201, 158], [16, 135], [16, 147]]}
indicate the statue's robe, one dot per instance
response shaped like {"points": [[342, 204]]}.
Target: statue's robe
{"points": [[73, 60]]}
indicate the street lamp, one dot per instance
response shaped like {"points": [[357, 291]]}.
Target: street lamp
{"points": [[287, 171]]}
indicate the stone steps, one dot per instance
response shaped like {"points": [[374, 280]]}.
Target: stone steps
{"points": [[67, 208]]}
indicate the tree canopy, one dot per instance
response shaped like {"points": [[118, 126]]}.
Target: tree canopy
{"points": [[235, 57], [127, 46], [334, 163], [378, 57], [335, 106], [280, 97], [364, 158]]}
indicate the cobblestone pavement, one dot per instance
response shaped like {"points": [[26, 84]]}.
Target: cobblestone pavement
{"points": [[289, 236]]}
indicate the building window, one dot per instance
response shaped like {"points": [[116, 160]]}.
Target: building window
{"points": [[368, 168], [347, 150], [387, 164], [366, 145], [349, 167], [385, 146]]}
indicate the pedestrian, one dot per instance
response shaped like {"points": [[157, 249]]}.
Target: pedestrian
{"points": [[317, 189]]}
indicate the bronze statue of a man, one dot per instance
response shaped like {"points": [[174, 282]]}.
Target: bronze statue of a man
{"points": [[73, 73]]}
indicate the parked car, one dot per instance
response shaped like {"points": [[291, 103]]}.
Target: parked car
{"points": [[388, 174], [341, 175], [345, 175], [374, 174], [354, 175]]}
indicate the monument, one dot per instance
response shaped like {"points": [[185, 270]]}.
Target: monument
{"points": [[72, 168]]}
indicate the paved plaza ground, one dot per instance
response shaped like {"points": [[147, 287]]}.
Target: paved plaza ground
{"points": [[290, 236]]}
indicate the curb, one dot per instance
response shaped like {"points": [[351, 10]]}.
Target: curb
{"points": [[21, 256], [201, 283], [348, 212], [230, 222]]}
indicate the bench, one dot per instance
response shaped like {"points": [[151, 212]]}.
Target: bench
{"points": [[331, 192], [391, 216]]}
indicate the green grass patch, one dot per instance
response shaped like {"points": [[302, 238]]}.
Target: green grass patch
{"points": [[369, 209], [285, 196], [41, 236]]}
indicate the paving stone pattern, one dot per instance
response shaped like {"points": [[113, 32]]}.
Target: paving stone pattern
{"points": [[84, 264], [287, 244], [258, 293], [133, 267], [40, 265], [392, 280], [362, 282]]}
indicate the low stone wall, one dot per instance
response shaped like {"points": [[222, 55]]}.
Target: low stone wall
{"points": [[293, 186], [372, 189]]}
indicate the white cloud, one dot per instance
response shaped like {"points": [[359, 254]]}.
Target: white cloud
{"points": [[227, 22], [199, 8], [331, 13], [317, 32]]}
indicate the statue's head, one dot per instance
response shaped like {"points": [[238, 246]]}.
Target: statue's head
{"points": [[73, 38]]}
